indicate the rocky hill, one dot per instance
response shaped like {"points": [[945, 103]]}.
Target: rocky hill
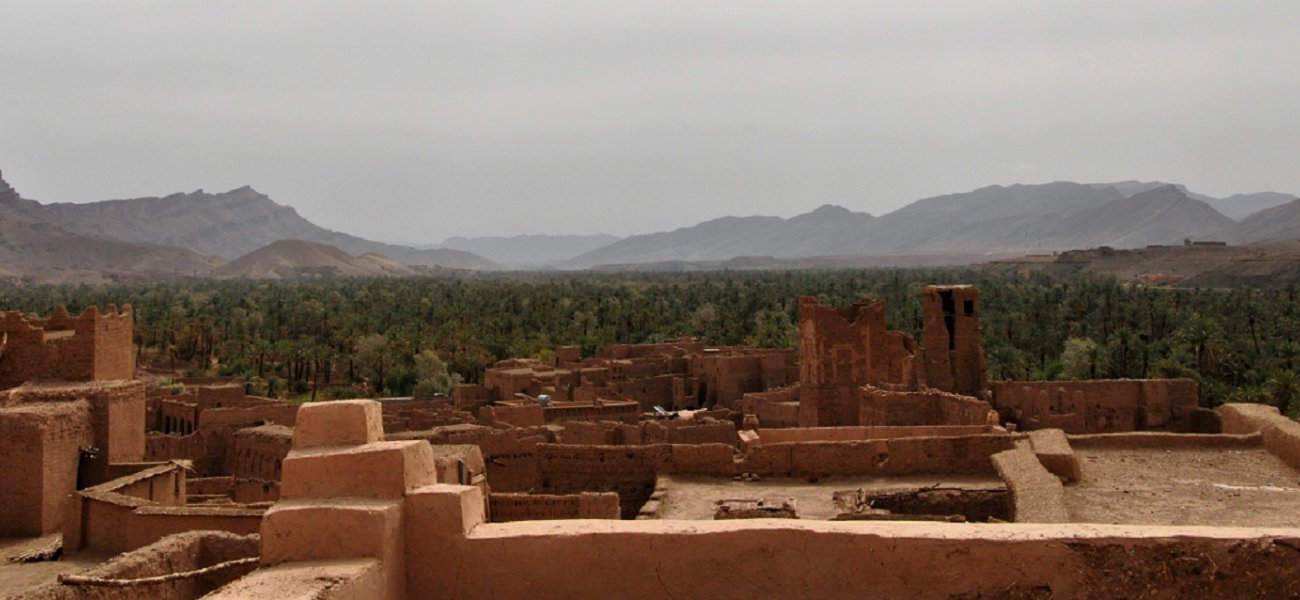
{"points": [[1241, 206], [229, 225], [1273, 224], [36, 250], [300, 259]]}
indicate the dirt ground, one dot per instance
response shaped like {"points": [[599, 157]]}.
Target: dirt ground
{"points": [[17, 577], [1242, 487], [693, 498]]}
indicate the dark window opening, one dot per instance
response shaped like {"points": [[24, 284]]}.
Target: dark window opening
{"points": [[969, 307], [949, 304]]}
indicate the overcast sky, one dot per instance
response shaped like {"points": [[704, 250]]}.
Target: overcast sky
{"points": [[419, 120]]}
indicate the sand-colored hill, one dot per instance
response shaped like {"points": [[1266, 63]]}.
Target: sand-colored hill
{"points": [[300, 259]]}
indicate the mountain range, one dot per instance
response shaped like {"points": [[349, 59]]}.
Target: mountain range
{"points": [[994, 220], [239, 233]]}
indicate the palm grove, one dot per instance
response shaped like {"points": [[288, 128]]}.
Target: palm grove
{"points": [[419, 336]]}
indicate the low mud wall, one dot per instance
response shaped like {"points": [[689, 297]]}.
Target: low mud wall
{"points": [[178, 553], [1281, 434], [505, 508], [804, 559]]}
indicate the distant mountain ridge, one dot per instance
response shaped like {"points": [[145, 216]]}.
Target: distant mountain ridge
{"points": [[529, 250], [991, 220], [36, 250], [229, 225]]}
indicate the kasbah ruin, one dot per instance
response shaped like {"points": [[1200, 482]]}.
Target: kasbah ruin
{"points": [[866, 464]]}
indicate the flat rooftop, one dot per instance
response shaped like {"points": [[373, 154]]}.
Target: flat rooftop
{"points": [[1234, 487]]}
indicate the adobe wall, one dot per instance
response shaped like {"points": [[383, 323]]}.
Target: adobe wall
{"points": [[683, 431], [140, 509], [774, 408], [953, 341], [177, 416], [726, 377], [505, 508], [39, 455], [280, 413], [1097, 406], [510, 454], [881, 407], [842, 349], [810, 559], [630, 471], [958, 455], [205, 450], [844, 434], [258, 452], [560, 412], [117, 413], [1281, 435], [179, 553], [91, 347]]}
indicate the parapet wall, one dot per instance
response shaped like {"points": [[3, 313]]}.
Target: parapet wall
{"points": [[807, 559], [1098, 406], [94, 346], [504, 508]]}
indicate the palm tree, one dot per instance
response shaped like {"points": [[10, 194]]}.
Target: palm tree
{"points": [[1283, 386]]}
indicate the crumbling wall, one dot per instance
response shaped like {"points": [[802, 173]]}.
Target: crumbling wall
{"points": [[510, 454], [504, 508], [774, 408], [179, 553], [630, 471], [1098, 406], [963, 455], [842, 349], [954, 343], [94, 346], [881, 407]]}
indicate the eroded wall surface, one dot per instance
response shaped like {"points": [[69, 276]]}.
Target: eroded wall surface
{"points": [[1098, 406]]}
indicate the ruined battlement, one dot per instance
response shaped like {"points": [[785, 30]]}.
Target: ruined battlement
{"points": [[953, 340], [94, 346]]}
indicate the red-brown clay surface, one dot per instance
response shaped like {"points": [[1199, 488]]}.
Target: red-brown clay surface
{"points": [[693, 498], [17, 577], [1239, 487]]}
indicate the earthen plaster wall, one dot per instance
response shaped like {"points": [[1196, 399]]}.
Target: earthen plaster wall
{"points": [[805, 559], [953, 340], [1097, 406], [881, 407], [504, 508], [179, 553], [258, 452], [39, 456], [94, 346]]}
